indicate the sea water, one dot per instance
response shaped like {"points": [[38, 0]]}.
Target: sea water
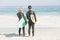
{"points": [[47, 16]]}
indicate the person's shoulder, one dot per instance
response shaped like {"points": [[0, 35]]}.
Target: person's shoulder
{"points": [[33, 11], [17, 13], [22, 13], [27, 12]]}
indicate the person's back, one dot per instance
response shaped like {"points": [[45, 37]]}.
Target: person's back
{"points": [[29, 13], [20, 15], [31, 22]]}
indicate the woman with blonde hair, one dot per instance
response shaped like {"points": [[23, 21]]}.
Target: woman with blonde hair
{"points": [[20, 15]]}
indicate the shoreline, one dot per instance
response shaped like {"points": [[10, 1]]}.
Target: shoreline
{"points": [[42, 21]]}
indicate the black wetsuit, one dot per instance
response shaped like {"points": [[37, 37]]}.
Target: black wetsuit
{"points": [[19, 15], [31, 24]]}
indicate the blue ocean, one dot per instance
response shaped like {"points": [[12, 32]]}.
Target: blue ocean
{"points": [[14, 9], [47, 16]]}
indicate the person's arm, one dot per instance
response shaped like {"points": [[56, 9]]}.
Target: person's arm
{"points": [[35, 16], [24, 18], [27, 15], [19, 16]]}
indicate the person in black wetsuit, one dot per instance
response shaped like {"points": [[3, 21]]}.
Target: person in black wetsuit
{"points": [[30, 23], [20, 15]]}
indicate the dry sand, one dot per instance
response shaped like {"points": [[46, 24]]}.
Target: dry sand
{"points": [[40, 34]]}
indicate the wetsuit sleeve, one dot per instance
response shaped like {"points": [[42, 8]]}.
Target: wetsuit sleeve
{"points": [[19, 16], [24, 18], [27, 15]]}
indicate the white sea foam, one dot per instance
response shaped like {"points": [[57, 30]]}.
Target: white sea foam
{"points": [[42, 21], [48, 21], [8, 21]]}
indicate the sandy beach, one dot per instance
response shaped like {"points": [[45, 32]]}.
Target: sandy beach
{"points": [[46, 28], [43, 21], [40, 34], [47, 13]]}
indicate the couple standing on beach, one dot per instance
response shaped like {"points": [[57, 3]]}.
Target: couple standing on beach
{"points": [[31, 17]]}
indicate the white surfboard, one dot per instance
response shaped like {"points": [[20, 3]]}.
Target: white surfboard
{"points": [[22, 23], [32, 18]]}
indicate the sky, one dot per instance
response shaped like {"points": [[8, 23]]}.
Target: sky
{"points": [[29, 2]]}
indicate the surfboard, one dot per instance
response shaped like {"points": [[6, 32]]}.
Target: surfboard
{"points": [[22, 23], [32, 18]]}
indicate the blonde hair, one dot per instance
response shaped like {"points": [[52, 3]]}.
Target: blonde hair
{"points": [[20, 9]]}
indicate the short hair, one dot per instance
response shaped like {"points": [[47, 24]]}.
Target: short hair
{"points": [[29, 7]]}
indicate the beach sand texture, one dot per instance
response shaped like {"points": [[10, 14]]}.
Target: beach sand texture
{"points": [[46, 28], [40, 34]]}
